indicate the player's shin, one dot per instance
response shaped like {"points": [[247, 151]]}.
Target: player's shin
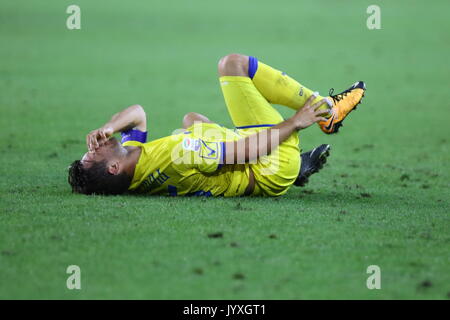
{"points": [[278, 88]]}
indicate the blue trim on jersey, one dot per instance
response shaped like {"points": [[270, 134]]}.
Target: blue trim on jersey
{"points": [[172, 190], [134, 135], [200, 193], [256, 126], [252, 66]]}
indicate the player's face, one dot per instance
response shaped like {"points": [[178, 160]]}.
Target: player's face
{"points": [[107, 151]]}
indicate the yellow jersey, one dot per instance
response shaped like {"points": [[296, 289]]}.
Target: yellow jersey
{"points": [[187, 163]]}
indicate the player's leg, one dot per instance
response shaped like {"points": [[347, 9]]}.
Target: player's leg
{"points": [[192, 117], [246, 105], [277, 87], [250, 111]]}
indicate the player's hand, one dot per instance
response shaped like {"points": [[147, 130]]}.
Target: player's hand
{"points": [[310, 113], [98, 137]]}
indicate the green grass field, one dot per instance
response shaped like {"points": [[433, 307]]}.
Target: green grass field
{"points": [[382, 199]]}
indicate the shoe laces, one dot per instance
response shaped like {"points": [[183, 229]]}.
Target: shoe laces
{"points": [[338, 97]]}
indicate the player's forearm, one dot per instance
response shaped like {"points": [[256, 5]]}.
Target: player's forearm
{"points": [[260, 144], [264, 142], [131, 117]]}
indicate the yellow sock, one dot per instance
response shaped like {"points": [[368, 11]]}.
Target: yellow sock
{"points": [[278, 88]]}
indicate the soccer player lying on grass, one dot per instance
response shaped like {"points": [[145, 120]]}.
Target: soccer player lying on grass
{"points": [[261, 156]]}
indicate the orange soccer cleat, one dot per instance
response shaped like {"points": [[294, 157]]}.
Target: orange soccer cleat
{"points": [[343, 103]]}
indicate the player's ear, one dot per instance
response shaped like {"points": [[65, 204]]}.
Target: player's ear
{"points": [[114, 168]]}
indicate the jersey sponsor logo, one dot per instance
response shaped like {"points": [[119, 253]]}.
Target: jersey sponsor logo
{"points": [[191, 144], [209, 150]]}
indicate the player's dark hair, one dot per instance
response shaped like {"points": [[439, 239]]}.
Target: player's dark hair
{"points": [[96, 179]]}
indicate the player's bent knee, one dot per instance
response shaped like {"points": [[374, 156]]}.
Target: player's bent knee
{"points": [[188, 119], [192, 117], [233, 65]]}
